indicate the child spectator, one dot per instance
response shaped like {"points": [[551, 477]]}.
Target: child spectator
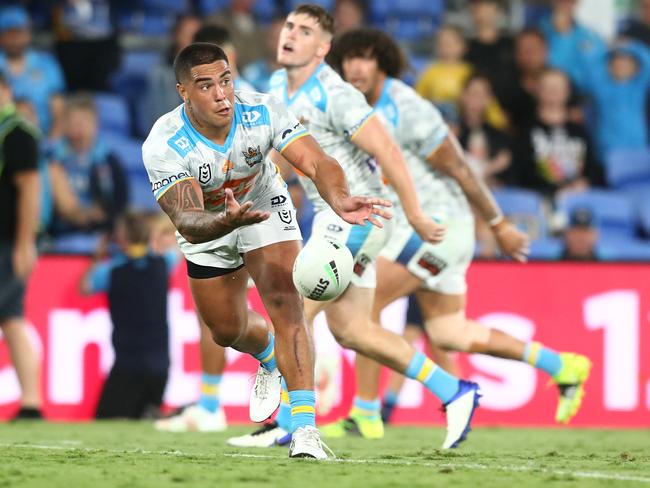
{"points": [[580, 237], [618, 83], [89, 187], [442, 82], [554, 154], [136, 281], [487, 148]]}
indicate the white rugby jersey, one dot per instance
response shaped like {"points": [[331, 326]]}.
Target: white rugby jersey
{"points": [[333, 111], [419, 129], [175, 151]]}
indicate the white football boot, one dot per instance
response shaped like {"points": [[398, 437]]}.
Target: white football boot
{"points": [[306, 443], [269, 435], [265, 396], [194, 419], [460, 410]]}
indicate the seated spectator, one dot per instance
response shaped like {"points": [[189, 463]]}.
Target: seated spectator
{"points": [[618, 83], [569, 41], [442, 82], [517, 93], [348, 15], [89, 187], [239, 18], [259, 72], [639, 28], [85, 42], [487, 148], [34, 76], [489, 51], [136, 281], [580, 237], [161, 92], [554, 154], [220, 35]]}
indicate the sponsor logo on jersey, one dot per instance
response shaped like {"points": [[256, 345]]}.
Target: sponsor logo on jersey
{"points": [[288, 132], [431, 263], [334, 228], [361, 264], [250, 117], [253, 156], [253, 115], [285, 216], [278, 200], [157, 185], [320, 289], [205, 173]]}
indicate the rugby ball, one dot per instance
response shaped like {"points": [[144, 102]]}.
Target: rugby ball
{"points": [[323, 269]]}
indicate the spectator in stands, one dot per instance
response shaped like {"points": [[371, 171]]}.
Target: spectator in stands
{"points": [[161, 92], [487, 148], [348, 15], [259, 72], [618, 82], [242, 25], [89, 187], [442, 82], [580, 237], [86, 43], [136, 281], [34, 75], [19, 201], [568, 41], [220, 35], [554, 154], [639, 28], [489, 51]]}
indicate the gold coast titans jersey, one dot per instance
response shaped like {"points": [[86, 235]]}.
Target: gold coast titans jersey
{"points": [[419, 129], [175, 151], [333, 111]]}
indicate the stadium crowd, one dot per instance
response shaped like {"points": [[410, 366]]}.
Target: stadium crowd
{"points": [[552, 115]]}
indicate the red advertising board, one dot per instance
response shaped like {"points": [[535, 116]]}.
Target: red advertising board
{"points": [[601, 310]]}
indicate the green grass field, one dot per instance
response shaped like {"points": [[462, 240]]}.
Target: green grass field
{"points": [[130, 455]]}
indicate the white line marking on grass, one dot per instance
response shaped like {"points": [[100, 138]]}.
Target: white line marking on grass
{"points": [[476, 466], [394, 462]]}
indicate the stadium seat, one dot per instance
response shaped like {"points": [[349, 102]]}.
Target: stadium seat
{"points": [[127, 150], [644, 215], [171, 6], [146, 22], [77, 243], [327, 4], [113, 113], [416, 66], [545, 249], [140, 194], [266, 10], [613, 211], [623, 249], [211, 6], [525, 208], [380, 9], [409, 29], [628, 168]]}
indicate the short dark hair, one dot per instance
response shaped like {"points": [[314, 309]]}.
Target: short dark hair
{"points": [[81, 101], [531, 31], [319, 14], [196, 54], [214, 33], [368, 43], [136, 225]]}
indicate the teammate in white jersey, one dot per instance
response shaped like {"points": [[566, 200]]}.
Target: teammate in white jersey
{"points": [[343, 124], [372, 61], [207, 166]]}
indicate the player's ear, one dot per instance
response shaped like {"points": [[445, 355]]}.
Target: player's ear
{"points": [[180, 88], [324, 47]]}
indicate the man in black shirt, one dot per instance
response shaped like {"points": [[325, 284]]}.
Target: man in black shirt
{"points": [[19, 217]]}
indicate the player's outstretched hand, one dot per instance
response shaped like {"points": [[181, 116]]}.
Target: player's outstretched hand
{"points": [[240, 215], [512, 241], [356, 210], [428, 229]]}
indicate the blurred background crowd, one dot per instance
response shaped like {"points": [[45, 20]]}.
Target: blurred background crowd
{"points": [[548, 98]]}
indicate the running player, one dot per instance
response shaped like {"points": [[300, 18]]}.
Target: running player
{"points": [[372, 61], [342, 122], [203, 159]]}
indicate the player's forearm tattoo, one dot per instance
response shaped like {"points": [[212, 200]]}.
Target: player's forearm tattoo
{"points": [[183, 205]]}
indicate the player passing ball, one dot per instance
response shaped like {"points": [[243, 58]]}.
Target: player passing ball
{"points": [[208, 169]]}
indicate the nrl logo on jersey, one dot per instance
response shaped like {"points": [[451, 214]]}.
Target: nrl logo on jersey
{"points": [[253, 156], [205, 173]]}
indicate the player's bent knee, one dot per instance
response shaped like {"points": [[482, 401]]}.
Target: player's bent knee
{"points": [[227, 336], [453, 331]]}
